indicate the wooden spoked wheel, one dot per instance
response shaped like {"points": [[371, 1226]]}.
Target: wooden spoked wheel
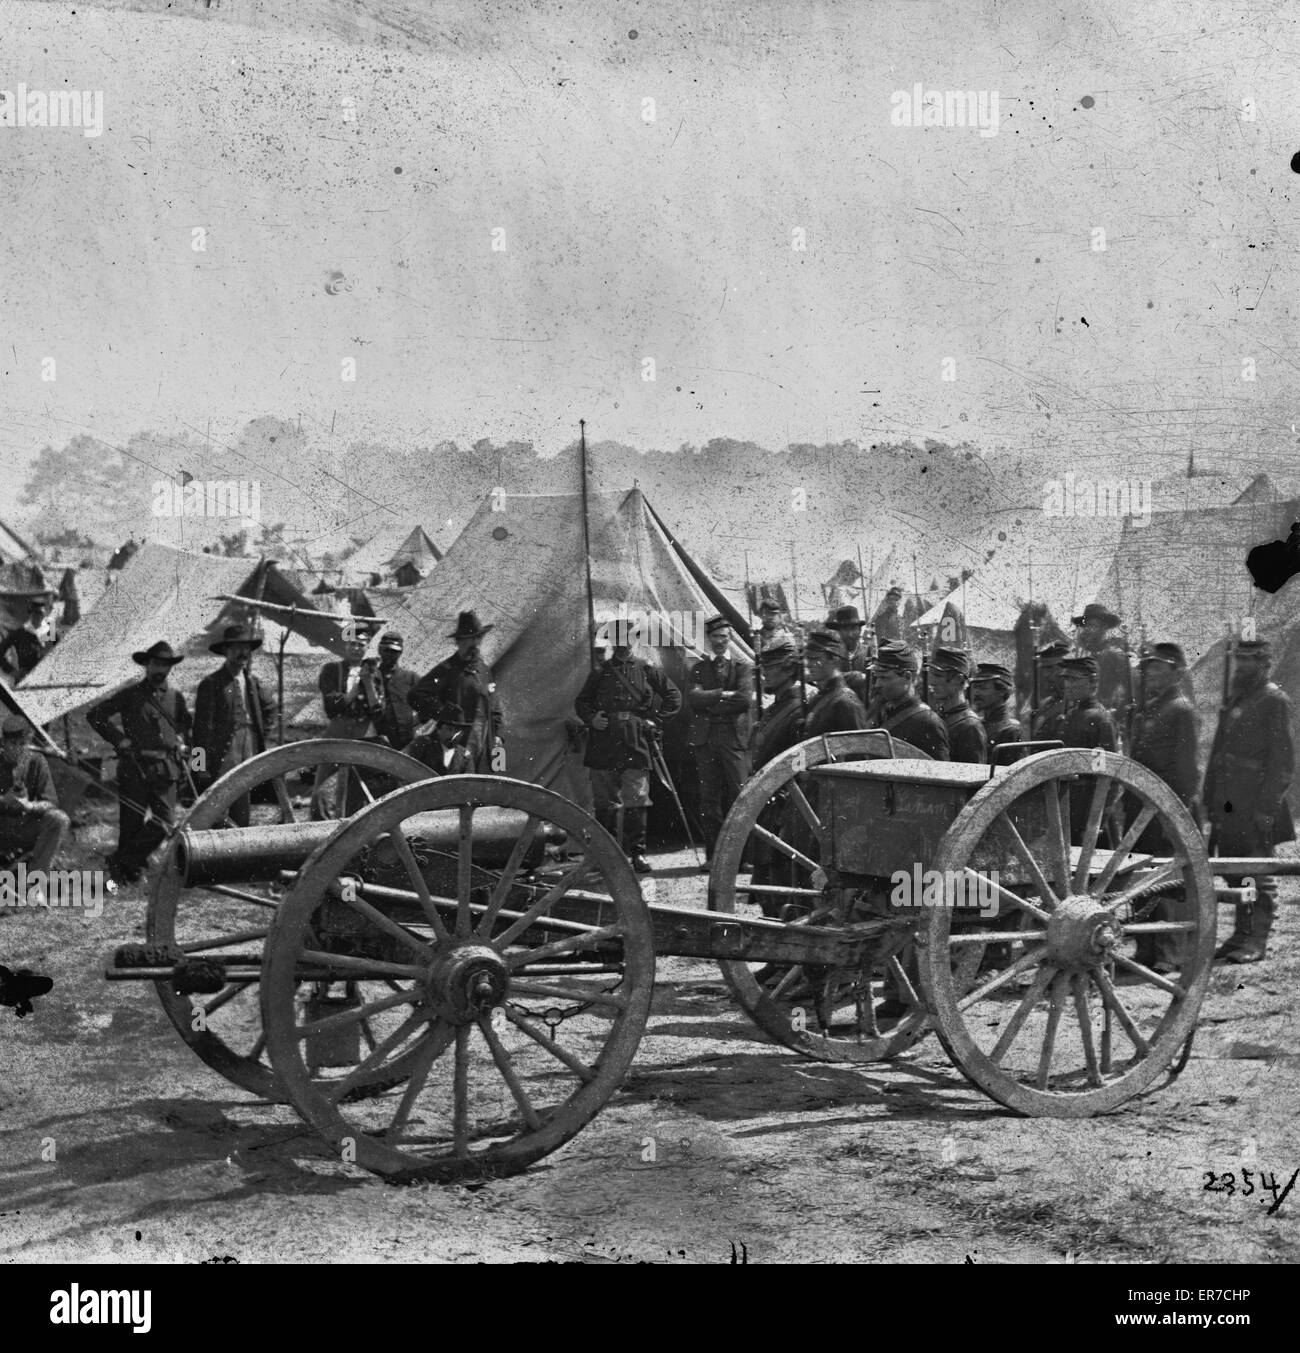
{"points": [[224, 1029], [1069, 1024], [824, 1013], [519, 996]]}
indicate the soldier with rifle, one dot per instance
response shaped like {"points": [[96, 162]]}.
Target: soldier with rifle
{"points": [[897, 708], [1251, 766], [967, 739], [622, 702], [719, 693], [148, 726], [836, 709], [1165, 735], [780, 726], [1049, 706], [991, 688], [848, 624]]}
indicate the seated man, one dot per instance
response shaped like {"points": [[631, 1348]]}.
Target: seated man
{"points": [[444, 750], [32, 825]]}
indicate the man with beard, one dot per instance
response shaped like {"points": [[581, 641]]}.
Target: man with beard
{"points": [[1251, 766], [397, 722], [464, 680], [622, 702], [1165, 741], [232, 711], [967, 740], [898, 709], [1093, 639], [848, 624], [148, 725]]}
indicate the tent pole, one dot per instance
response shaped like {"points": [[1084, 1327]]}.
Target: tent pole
{"points": [[586, 544]]}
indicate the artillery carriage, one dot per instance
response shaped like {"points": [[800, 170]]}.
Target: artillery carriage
{"points": [[449, 977]]}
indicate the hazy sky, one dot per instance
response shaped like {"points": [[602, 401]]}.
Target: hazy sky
{"points": [[349, 173]]}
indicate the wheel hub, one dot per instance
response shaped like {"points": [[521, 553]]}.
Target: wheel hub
{"points": [[467, 981], [1081, 933]]}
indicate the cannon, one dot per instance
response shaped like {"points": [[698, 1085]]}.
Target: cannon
{"points": [[452, 979]]}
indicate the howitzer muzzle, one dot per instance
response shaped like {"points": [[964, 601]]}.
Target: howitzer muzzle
{"points": [[239, 854]]}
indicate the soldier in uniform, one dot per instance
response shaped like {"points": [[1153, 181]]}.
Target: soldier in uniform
{"points": [[23, 648], [888, 620], [148, 725], [1093, 639], [1165, 741], [396, 724], [1047, 723], [719, 692], [990, 695], [232, 712], [352, 692], [621, 702], [32, 825], [781, 724], [1088, 723], [772, 631], [836, 709], [949, 673], [897, 707], [848, 624], [465, 680], [1251, 765]]}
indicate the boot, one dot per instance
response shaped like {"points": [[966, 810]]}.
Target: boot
{"points": [[634, 826], [1252, 945]]}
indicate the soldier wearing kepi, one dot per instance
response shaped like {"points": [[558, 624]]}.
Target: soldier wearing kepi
{"points": [[848, 624], [836, 709], [149, 727], [621, 702], [465, 680], [991, 685], [781, 724], [1087, 724], [772, 631], [1050, 717], [1164, 741], [397, 722], [719, 693], [967, 740], [232, 712], [1093, 639], [1251, 766], [898, 709]]}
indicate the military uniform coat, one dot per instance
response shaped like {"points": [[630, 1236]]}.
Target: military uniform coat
{"points": [[779, 729], [912, 720], [630, 692], [1089, 725], [835, 710], [1251, 766], [465, 683], [350, 716], [1164, 741], [157, 722], [397, 722], [1049, 720], [967, 740]]}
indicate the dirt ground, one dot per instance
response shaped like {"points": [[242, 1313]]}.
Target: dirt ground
{"points": [[758, 1155]]}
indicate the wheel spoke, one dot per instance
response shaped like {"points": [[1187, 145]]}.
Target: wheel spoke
{"points": [[806, 810], [570, 994], [434, 1046], [338, 1089], [1107, 1034], [283, 799], [1058, 842], [223, 997], [784, 847], [508, 1073], [1049, 1035], [360, 1012], [239, 895], [1153, 977], [517, 927], [1114, 1004], [368, 1034], [579, 1068], [1022, 964], [574, 944], [904, 982], [1037, 912], [1167, 873], [386, 923], [507, 875], [1158, 927], [413, 872], [1080, 985], [774, 888], [259, 1046], [787, 980], [220, 941], [464, 871], [1121, 851], [460, 1095], [363, 787], [1100, 793], [1018, 1016], [994, 936], [1026, 858]]}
